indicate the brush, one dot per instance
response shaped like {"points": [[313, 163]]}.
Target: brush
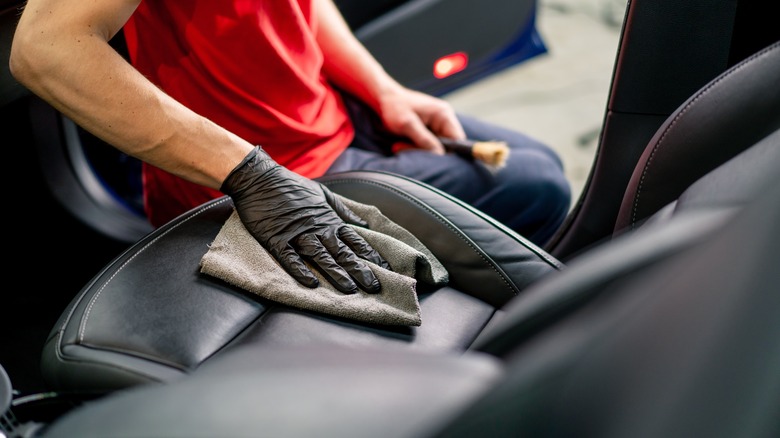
{"points": [[492, 153]]}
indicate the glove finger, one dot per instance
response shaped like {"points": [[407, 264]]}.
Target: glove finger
{"points": [[292, 263], [345, 213], [357, 268], [310, 246], [363, 249]]}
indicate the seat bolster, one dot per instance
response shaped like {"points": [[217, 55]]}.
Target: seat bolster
{"points": [[149, 310], [76, 368], [483, 257], [730, 186], [589, 276]]}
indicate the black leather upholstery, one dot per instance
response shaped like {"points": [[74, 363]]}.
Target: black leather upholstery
{"points": [[627, 363]]}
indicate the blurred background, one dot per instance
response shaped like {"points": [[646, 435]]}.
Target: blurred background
{"points": [[558, 97]]}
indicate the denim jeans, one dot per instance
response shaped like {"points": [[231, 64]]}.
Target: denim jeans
{"points": [[530, 195]]}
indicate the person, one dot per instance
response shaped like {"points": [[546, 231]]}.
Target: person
{"points": [[256, 99]]}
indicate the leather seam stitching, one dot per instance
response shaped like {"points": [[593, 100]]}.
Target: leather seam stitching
{"points": [[510, 285], [699, 95], [82, 326]]}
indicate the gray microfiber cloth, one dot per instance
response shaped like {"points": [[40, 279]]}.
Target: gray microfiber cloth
{"points": [[236, 258]]}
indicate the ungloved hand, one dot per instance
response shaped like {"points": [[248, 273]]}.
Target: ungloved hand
{"points": [[294, 217]]}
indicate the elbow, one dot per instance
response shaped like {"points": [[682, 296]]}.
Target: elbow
{"points": [[18, 65], [16, 68], [24, 64]]}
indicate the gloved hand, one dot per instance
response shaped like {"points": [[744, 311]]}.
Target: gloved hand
{"points": [[294, 217]]}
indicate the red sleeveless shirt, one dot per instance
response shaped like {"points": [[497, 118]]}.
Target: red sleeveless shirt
{"points": [[251, 66]]}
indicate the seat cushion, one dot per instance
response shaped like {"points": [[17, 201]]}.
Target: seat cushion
{"points": [[150, 315]]}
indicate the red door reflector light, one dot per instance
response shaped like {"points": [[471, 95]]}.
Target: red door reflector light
{"points": [[450, 64]]}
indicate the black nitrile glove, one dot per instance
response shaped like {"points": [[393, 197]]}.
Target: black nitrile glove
{"points": [[294, 217]]}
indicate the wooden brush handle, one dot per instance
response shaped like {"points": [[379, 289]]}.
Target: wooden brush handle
{"points": [[492, 153], [463, 147]]}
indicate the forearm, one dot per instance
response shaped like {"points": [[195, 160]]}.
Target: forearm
{"points": [[72, 66], [348, 64]]}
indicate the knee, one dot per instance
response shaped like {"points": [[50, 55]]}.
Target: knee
{"points": [[554, 195], [542, 174], [542, 197], [556, 191], [544, 213]]}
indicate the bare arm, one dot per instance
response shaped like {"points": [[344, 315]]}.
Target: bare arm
{"points": [[349, 65], [61, 53]]}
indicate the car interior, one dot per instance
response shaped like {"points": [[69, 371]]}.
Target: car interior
{"points": [[651, 312]]}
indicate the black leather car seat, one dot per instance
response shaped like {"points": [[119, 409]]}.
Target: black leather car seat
{"points": [[149, 316], [685, 346]]}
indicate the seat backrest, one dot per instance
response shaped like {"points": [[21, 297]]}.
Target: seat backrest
{"points": [[728, 115]]}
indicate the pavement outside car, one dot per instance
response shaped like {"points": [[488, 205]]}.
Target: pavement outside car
{"points": [[558, 97]]}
